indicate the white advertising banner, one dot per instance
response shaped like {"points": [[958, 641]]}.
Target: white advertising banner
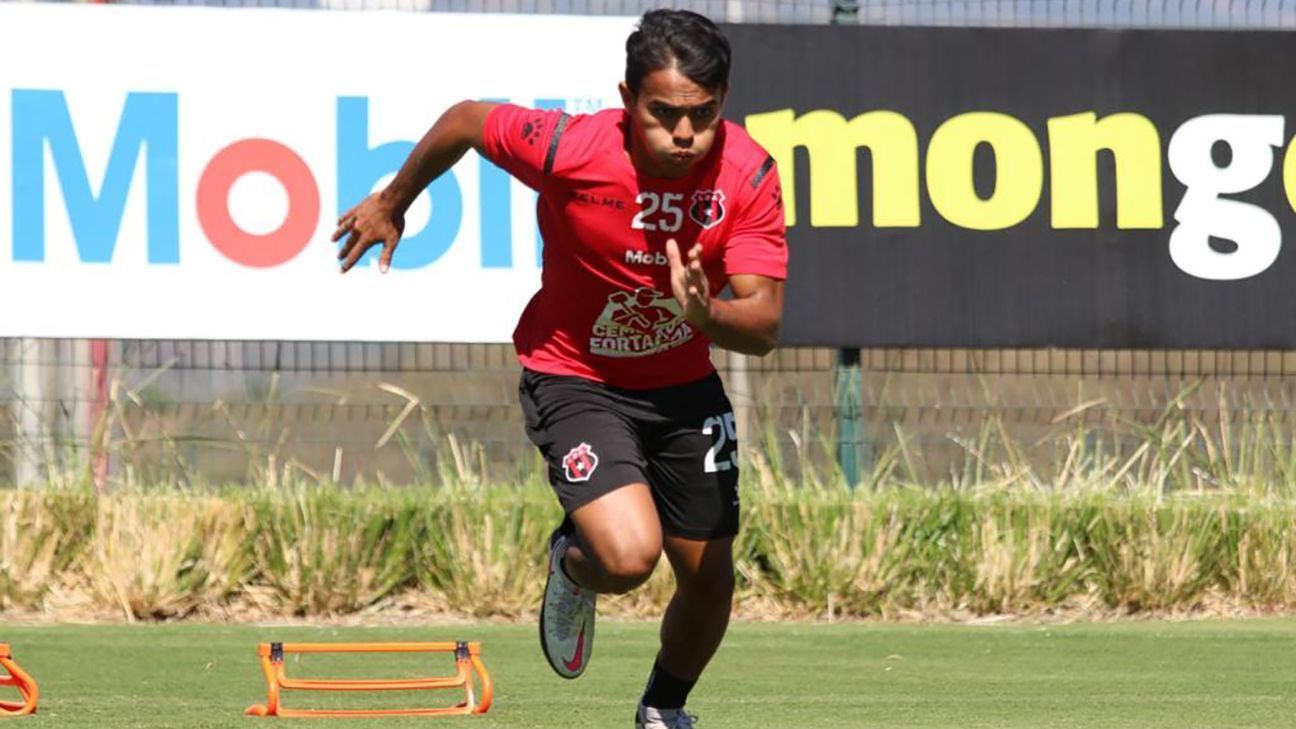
{"points": [[176, 173]]}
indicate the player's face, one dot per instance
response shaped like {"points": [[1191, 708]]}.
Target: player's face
{"points": [[673, 122]]}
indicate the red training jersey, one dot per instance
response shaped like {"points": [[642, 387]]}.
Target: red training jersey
{"points": [[605, 310]]}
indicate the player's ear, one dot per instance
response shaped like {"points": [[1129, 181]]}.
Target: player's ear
{"points": [[627, 97]]}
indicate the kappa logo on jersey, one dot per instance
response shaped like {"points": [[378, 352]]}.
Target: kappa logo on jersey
{"points": [[639, 323], [580, 462], [531, 130], [708, 207]]}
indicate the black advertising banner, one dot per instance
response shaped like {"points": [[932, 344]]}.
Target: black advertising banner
{"points": [[1001, 188]]}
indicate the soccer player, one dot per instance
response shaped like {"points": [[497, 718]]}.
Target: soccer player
{"points": [[647, 212]]}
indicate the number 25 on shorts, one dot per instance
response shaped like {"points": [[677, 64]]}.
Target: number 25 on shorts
{"points": [[723, 454]]}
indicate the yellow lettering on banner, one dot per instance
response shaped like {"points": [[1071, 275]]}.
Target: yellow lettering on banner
{"points": [[834, 183], [1019, 171], [1289, 174], [1133, 140]]}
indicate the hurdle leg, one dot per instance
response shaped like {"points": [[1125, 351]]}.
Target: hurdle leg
{"points": [[21, 680]]}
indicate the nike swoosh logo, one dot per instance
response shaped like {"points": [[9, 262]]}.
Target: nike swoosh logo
{"points": [[579, 655]]}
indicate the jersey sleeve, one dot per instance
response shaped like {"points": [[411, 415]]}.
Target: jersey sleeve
{"points": [[758, 242], [523, 142]]}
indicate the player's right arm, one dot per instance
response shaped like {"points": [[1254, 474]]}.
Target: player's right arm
{"points": [[380, 218]]}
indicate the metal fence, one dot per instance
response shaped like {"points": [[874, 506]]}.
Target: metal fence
{"points": [[219, 411], [1271, 14]]}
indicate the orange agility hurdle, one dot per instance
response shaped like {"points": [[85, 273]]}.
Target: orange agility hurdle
{"points": [[19, 679], [468, 663]]}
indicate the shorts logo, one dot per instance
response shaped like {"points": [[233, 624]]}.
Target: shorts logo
{"points": [[580, 462], [708, 207]]}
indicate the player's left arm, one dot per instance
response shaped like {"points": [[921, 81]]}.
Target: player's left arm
{"points": [[748, 323], [755, 263]]}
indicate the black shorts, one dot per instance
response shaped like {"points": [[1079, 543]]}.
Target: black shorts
{"points": [[680, 440]]}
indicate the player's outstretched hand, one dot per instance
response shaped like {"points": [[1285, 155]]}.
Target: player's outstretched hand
{"points": [[689, 283], [375, 220]]}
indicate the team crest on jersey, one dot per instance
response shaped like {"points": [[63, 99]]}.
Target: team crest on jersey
{"points": [[580, 462], [708, 207]]}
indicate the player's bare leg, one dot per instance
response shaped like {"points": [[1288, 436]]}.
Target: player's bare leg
{"points": [[616, 545], [618, 541], [692, 629], [698, 614]]}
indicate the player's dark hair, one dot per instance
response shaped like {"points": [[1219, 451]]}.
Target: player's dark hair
{"points": [[679, 38]]}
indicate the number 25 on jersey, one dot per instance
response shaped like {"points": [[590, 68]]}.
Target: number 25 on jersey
{"points": [[660, 212]]}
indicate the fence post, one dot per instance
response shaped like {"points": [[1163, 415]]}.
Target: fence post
{"points": [[845, 11], [850, 429], [850, 416], [740, 395]]}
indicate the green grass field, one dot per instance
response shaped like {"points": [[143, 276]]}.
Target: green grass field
{"points": [[1144, 675]]}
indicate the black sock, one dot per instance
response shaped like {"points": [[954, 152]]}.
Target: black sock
{"points": [[665, 690]]}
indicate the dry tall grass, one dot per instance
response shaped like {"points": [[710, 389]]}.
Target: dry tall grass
{"points": [[1175, 515]]}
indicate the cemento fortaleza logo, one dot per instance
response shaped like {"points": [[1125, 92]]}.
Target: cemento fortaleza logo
{"points": [[144, 159], [1073, 143], [639, 323]]}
